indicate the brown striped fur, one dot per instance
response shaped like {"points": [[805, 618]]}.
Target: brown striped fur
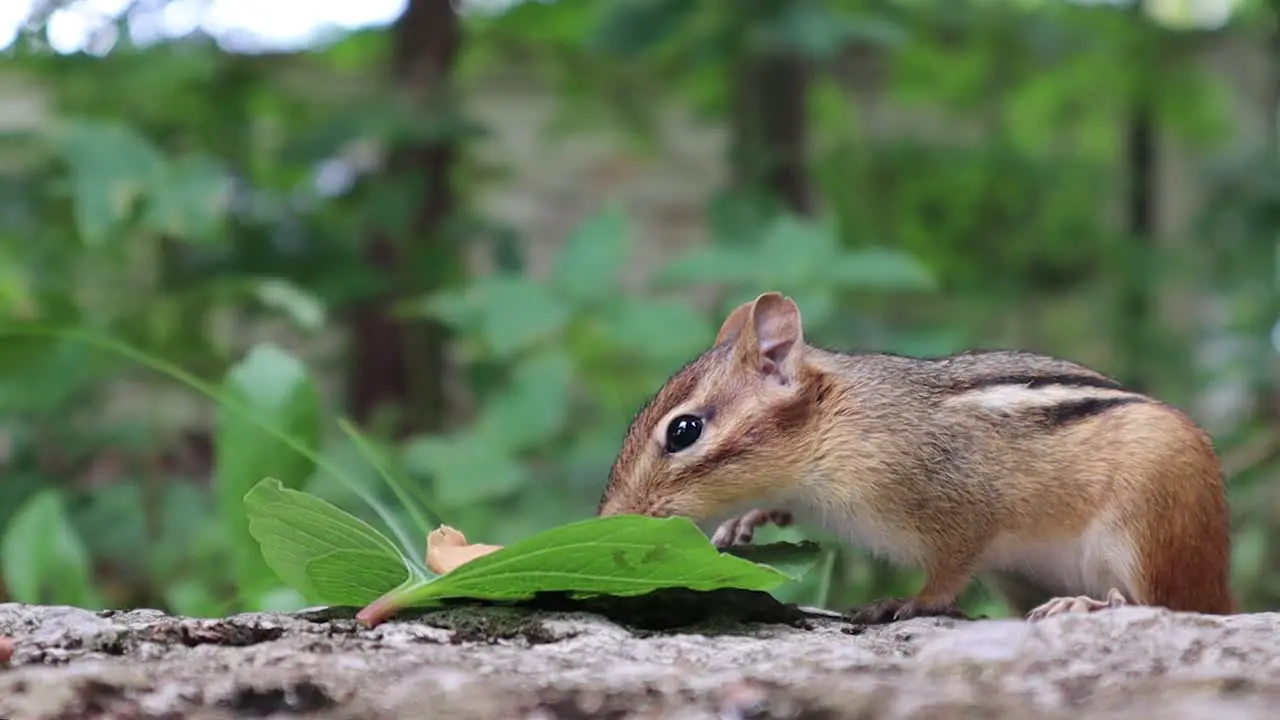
{"points": [[1034, 468]]}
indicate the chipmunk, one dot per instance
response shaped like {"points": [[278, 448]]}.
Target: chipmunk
{"points": [[1066, 490]]}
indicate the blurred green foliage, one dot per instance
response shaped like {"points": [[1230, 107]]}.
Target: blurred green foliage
{"points": [[191, 201]]}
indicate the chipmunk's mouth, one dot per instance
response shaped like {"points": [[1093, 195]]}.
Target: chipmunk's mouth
{"points": [[619, 508], [659, 511]]}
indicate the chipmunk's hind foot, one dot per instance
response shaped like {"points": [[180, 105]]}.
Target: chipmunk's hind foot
{"points": [[1078, 604]]}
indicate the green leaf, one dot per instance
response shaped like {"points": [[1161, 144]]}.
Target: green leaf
{"points": [[661, 331], [354, 577], [818, 31], [619, 555], [533, 407], [795, 253], [509, 313], [189, 199], [738, 217], [300, 534], [792, 559], [791, 251], [466, 468], [587, 269], [44, 560], [38, 374], [810, 28], [303, 308], [278, 390], [714, 264], [631, 28], [878, 269], [112, 168]]}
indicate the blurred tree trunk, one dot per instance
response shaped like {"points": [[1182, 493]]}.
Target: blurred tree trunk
{"points": [[1136, 304], [769, 142], [396, 362], [1135, 311]]}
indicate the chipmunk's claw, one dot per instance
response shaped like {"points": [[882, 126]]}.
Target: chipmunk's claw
{"points": [[742, 530], [1078, 604], [889, 610]]}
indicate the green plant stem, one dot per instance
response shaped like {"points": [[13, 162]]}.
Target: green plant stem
{"points": [[828, 577], [424, 523], [165, 368]]}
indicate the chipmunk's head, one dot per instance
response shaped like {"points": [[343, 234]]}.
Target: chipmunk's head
{"points": [[723, 431]]}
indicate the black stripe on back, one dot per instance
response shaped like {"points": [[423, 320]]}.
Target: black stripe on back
{"points": [[1072, 411]]}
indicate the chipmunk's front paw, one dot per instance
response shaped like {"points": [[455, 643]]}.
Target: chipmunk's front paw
{"points": [[742, 530], [894, 609], [1078, 604]]}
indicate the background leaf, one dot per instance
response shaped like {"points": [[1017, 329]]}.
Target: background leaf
{"points": [[589, 267], [302, 307], [512, 312], [277, 389], [879, 269], [39, 373], [112, 168], [632, 27], [44, 560], [533, 408], [662, 331], [712, 265], [466, 468]]}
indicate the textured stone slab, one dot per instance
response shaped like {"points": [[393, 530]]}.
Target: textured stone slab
{"points": [[504, 663]]}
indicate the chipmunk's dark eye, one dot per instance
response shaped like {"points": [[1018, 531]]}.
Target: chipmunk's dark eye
{"points": [[683, 432]]}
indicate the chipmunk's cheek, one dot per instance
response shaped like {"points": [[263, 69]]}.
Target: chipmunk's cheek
{"points": [[701, 506]]}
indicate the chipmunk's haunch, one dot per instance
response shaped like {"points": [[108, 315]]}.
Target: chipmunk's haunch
{"points": [[1074, 492]]}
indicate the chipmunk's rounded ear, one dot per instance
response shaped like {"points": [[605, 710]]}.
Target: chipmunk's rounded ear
{"points": [[768, 331], [735, 322], [779, 332]]}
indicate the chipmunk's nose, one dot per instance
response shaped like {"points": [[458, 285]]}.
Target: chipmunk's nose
{"points": [[619, 506], [611, 506]]}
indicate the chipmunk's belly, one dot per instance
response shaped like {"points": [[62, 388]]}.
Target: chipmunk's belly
{"points": [[1091, 563]]}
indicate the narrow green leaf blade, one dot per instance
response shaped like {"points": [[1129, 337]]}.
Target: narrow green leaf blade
{"points": [[295, 529]]}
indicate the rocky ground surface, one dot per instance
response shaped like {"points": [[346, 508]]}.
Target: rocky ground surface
{"points": [[526, 663]]}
